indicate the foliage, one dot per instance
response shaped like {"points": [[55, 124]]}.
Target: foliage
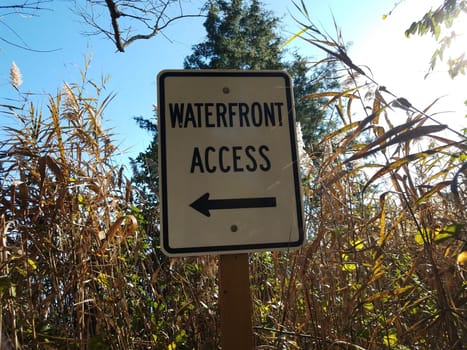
{"points": [[433, 22], [65, 214], [380, 268], [77, 269], [238, 37], [243, 36], [315, 122], [383, 268]]}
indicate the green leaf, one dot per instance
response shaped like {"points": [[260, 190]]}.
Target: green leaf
{"points": [[449, 231], [412, 29], [441, 237], [453, 229], [21, 271], [5, 283]]}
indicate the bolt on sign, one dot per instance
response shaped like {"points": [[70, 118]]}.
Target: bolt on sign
{"points": [[229, 176]]}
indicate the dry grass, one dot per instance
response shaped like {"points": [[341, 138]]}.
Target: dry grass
{"points": [[81, 266], [385, 207]]}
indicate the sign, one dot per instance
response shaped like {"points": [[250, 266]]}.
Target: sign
{"points": [[229, 177]]}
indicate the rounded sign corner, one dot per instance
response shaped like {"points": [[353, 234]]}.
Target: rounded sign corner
{"points": [[165, 73], [300, 242], [169, 251]]}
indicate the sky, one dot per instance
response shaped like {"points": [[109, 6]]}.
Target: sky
{"points": [[395, 61]]}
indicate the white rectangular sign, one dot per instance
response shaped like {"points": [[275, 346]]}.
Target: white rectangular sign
{"points": [[229, 177]]}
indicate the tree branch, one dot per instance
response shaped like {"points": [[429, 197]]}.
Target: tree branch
{"points": [[155, 31], [114, 15], [132, 20]]}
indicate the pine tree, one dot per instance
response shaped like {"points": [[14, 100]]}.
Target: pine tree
{"points": [[242, 35], [238, 37], [314, 121]]}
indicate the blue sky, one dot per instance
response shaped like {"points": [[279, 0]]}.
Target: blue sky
{"points": [[133, 73]]}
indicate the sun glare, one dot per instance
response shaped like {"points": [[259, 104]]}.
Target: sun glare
{"points": [[403, 64], [456, 40]]}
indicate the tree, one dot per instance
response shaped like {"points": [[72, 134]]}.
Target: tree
{"points": [[379, 271], [126, 21], [390, 226], [436, 22], [243, 35], [79, 265], [314, 121], [238, 37], [64, 205], [22, 7], [121, 21]]}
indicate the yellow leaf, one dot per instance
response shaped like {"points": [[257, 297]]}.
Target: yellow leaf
{"points": [[438, 187], [293, 37], [378, 269], [424, 236], [32, 264], [377, 296], [80, 199], [462, 259], [358, 244], [103, 280], [382, 224], [401, 290], [390, 339], [349, 267]]}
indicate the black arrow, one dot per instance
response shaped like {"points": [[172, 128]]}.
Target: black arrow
{"points": [[203, 204]]}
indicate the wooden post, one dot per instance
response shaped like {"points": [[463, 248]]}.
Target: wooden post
{"points": [[235, 303]]}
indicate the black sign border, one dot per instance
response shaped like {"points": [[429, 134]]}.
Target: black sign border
{"points": [[224, 249]]}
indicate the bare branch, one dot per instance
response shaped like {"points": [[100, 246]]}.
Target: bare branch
{"points": [[155, 31], [132, 20], [24, 8]]}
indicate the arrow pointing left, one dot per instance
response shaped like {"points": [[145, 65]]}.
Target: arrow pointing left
{"points": [[203, 204]]}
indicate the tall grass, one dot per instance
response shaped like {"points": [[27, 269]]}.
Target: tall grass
{"points": [[386, 210], [81, 266], [66, 220]]}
